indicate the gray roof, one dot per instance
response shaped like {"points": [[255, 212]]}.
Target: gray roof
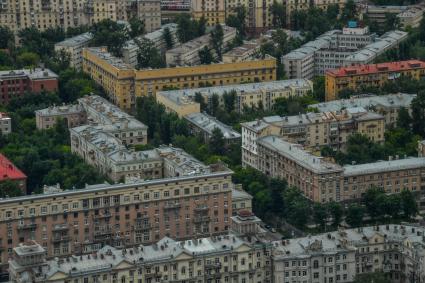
{"points": [[240, 194], [367, 101], [239, 88], [108, 57], [60, 110], [34, 74], [76, 40], [384, 166], [208, 123], [296, 153]]}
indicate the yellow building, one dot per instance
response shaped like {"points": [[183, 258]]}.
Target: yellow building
{"points": [[214, 11], [123, 84], [375, 75]]}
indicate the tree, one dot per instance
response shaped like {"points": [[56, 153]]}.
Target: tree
{"points": [[9, 188], [168, 38], [148, 55], [278, 14], [237, 20], [372, 200], [349, 12], [205, 56], [137, 27], [214, 105], [336, 211], [375, 277], [7, 38], [188, 29], [332, 11], [201, 26], [217, 40], [320, 215], [110, 34], [355, 215], [404, 120], [28, 60], [217, 143], [422, 30], [418, 114], [408, 204], [392, 22], [229, 99]]}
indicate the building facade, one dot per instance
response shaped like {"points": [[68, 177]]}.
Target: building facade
{"points": [[216, 259], [5, 124], [336, 48], [248, 95], [121, 215], [123, 83], [44, 14], [386, 105], [16, 83], [74, 48], [74, 116], [312, 130], [187, 54], [375, 75], [203, 125]]}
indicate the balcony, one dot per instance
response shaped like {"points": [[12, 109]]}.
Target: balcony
{"points": [[102, 215], [60, 227], [172, 205], [142, 226], [27, 226], [201, 219], [201, 208], [57, 239]]}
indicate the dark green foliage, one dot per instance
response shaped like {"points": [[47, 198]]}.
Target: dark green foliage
{"points": [[7, 38], [293, 105], [148, 55], [110, 34], [168, 38], [320, 215], [297, 207], [217, 143], [374, 277], [9, 188], [237, 19], [137, 27], [44, 156], [41, 43], [75, 84], [418, 114], [188, 28], [278, 11], [217, 40], [355, 215], [205, 56]]}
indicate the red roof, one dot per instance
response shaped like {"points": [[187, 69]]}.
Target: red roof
{"points": [[376, 68], [9, 171]]}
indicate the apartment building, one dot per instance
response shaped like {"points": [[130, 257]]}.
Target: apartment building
{"points": [[386, 105], [412, 17], [74, 116], [336, 48], [74, 47], [120, 215], [375, 75], [312, 130], [131, 48], [16, 83], [187, 54], [215, 259], [44, 14], [251, 95], [203, 125], [294, 5], [370, 52], [248, 50], [5, 124], [408, 16], [397, 250], [123, 83], [324, 181], [9, 172], [241, 200], [213, 11]]}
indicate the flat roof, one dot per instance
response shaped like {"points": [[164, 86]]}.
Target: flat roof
{"points": [[208, 123], [103, 54], [296, 153], [76, 40], [33, 74], [384, 166]]}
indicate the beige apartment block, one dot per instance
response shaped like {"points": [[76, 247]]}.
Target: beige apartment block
{"points": [[215, 259], [120, 215], [44, 14], [324, 181], [214, 11], [74, 115], [74, 48]]}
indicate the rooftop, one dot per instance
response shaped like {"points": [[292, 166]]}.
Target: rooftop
{"points": [[33, 74], [208, 123], [376, 68], [8, 171], [367, 101], [103, 54], [188, 94], [384, 166], [4, 115], [297, 154], [60, 110], [76, 40]]}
